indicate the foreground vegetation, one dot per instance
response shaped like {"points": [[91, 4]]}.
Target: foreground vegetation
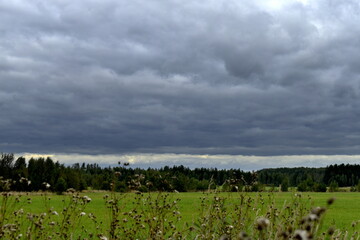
{"points": [[160, 215]]}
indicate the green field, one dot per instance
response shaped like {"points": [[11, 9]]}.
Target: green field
{"points": [[344, 211], [191, 207]]}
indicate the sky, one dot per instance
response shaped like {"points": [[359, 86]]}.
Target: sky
{"points": [[216, 83]]}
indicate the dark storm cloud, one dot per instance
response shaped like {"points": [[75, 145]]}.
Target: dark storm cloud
{"points": [[216, 77]]}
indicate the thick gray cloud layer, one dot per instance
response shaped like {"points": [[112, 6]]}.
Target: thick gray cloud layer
{"points": [[198, 77]]}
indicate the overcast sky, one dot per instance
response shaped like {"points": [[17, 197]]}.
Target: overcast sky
{"points": [[191, 78]]}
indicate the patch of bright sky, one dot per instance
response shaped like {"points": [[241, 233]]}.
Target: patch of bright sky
{"points": [[276, 5], [246, 163]]}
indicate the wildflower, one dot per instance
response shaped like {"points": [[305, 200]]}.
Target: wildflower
{"points": [[46, 185], [224, 237], [284, 235], [30, 216], [91, 216], [82, 214], [331, 231], [301, 235], [19, 212], [243, 236], [313, 217], [71, 190], [318, 211], [86, 199], [262, 223], [330, 201]]}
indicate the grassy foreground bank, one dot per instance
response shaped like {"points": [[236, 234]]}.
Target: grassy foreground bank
{"points": [[104, 215]]}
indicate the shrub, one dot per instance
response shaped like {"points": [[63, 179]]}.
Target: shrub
{"points": [[358, 187], [285, 185], [319, 187], [302, 187], [60, 186], [334, 186]]}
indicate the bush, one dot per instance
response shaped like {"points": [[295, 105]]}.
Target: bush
{"points": [[319, 187], [60, 186], [358, 187], [285, 185], [334, 186], [302, 187]]}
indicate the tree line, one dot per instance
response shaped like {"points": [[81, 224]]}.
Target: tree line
{"points": [[44, 173]]}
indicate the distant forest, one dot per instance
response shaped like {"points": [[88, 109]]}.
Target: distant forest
{"points": [[45, 174]]}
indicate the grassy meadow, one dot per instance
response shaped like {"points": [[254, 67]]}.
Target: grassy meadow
{"points": [[106, 215]]}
